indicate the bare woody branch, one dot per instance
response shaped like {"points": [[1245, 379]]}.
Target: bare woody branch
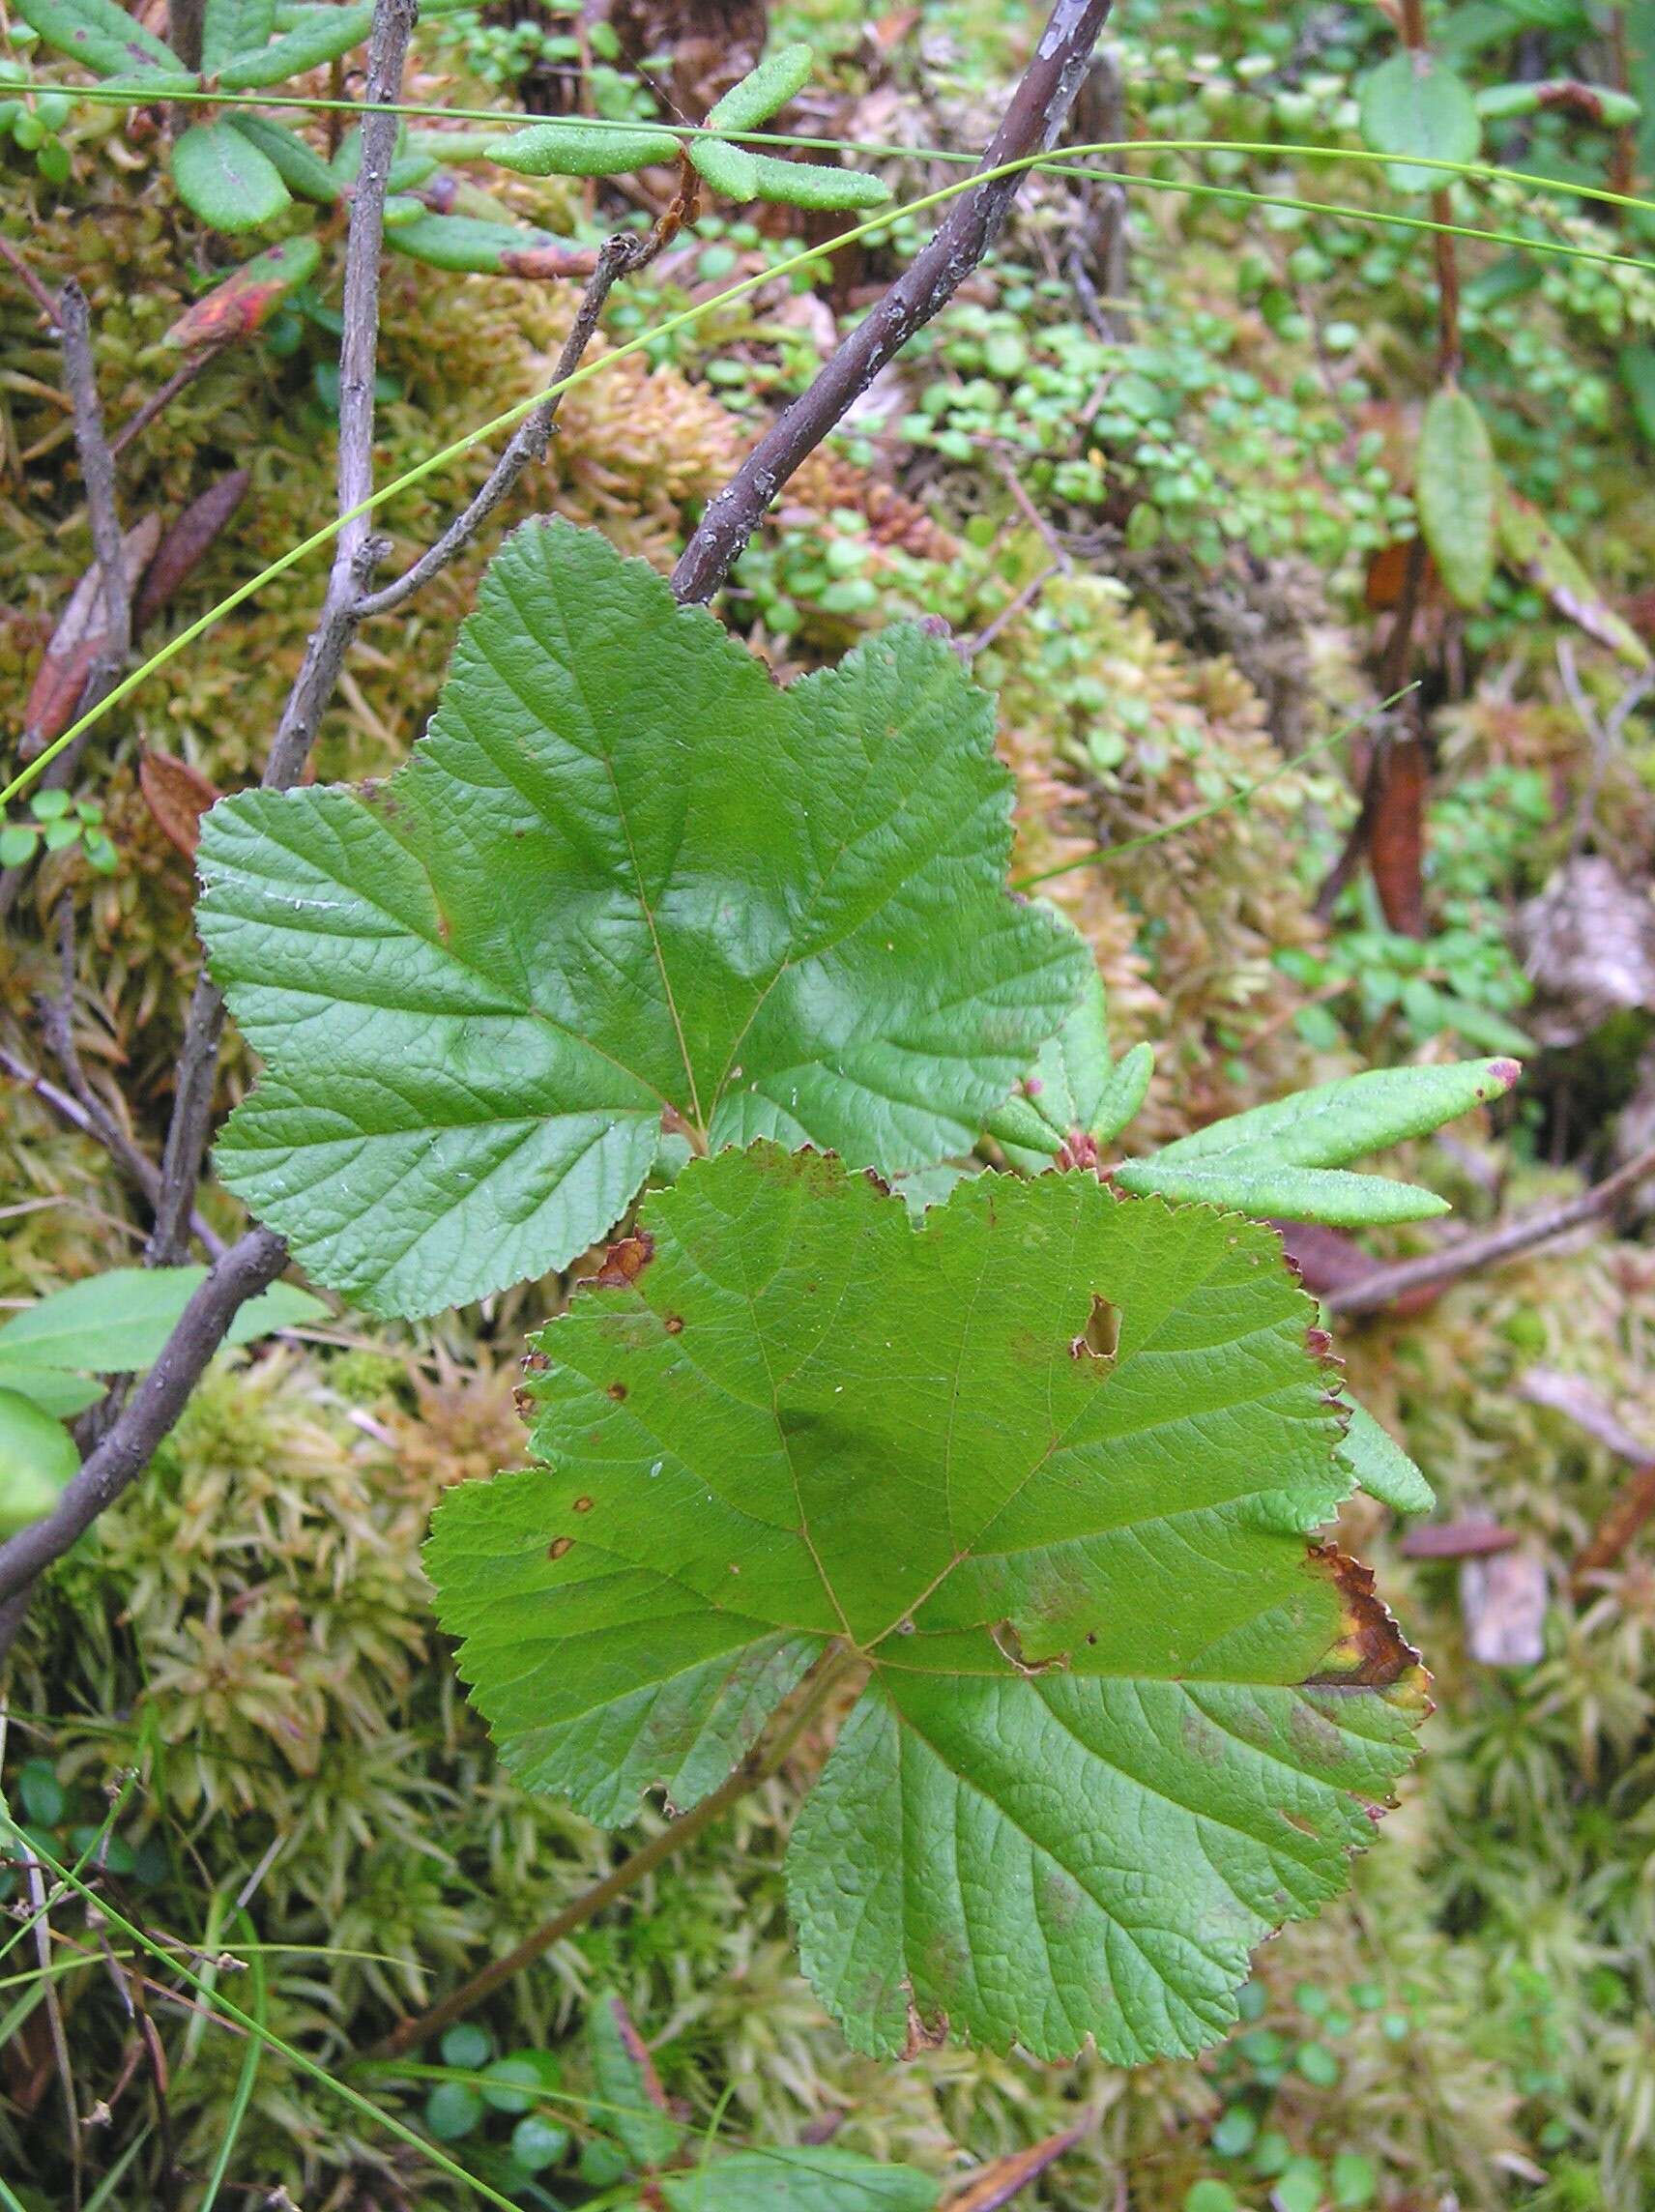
{"points": [[1372, 1292], [354, 555], [1030, 126]]}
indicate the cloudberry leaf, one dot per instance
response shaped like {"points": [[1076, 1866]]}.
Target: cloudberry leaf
{"points": [[1122, 1718], [624, 880]]}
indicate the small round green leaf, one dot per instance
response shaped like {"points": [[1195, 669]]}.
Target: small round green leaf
{"points": [[536, 2143], [226, 179], [467, 2046], [452, 2110], [1413, 104]]}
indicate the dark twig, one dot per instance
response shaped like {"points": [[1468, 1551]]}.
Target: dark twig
{"points": [[98, 473], [162, 398], [787, 1724], [356, 555], [250, 1265], [1369, 1293], [1030, 125], [31, 284], [970, 647], [619, 257]]}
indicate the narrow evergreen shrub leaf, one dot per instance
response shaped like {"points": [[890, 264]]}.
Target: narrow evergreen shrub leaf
{"points": [[624, 884], [1254, 1183], [1414, 103], [1382, 1468], [471, 246], [1457, 491], [232, 27], [731, 170], [102, 37], [812, 185], [1275, 1159], [763, 90], [1076, 1097], [813, 2178], [248, 296], [321, 37], [222, 177], [566, 150], [301, 168], [1122, 1719]]}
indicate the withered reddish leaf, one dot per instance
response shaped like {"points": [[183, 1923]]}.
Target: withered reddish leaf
{"points": [[185, 544], [1469, 1539], [236, 308], [177, 795], [1327, 1260], [998, 2182], [1387, 575], [1396, 834], [76, 642]]}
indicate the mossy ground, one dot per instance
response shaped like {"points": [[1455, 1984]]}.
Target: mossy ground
{"points": [[248, 1641]]}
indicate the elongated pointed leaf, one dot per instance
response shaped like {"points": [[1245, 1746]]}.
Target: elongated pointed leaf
{"points": [[762, 91], [1122, 1718], [630, 2103], [623, 881], [224, 179], [1536, 551], [118, 1322], [1413, 104], [1382, 1468], [322, 38], [813, 2178], [301, 168], [102, 36], [55, 1390], [37, 1457], [1456, 492], [232, 27], [576, 150]]}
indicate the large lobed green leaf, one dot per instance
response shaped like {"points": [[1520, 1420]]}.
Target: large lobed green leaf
{"points": [[624, 880], [1120, 1719]]}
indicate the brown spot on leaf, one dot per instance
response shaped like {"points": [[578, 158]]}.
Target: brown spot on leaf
{"points": [[675, 1325], [559, 1544], [922, 2034], [583, 1505], [618, 1392], [1369, 1653], [626, 1260]]}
